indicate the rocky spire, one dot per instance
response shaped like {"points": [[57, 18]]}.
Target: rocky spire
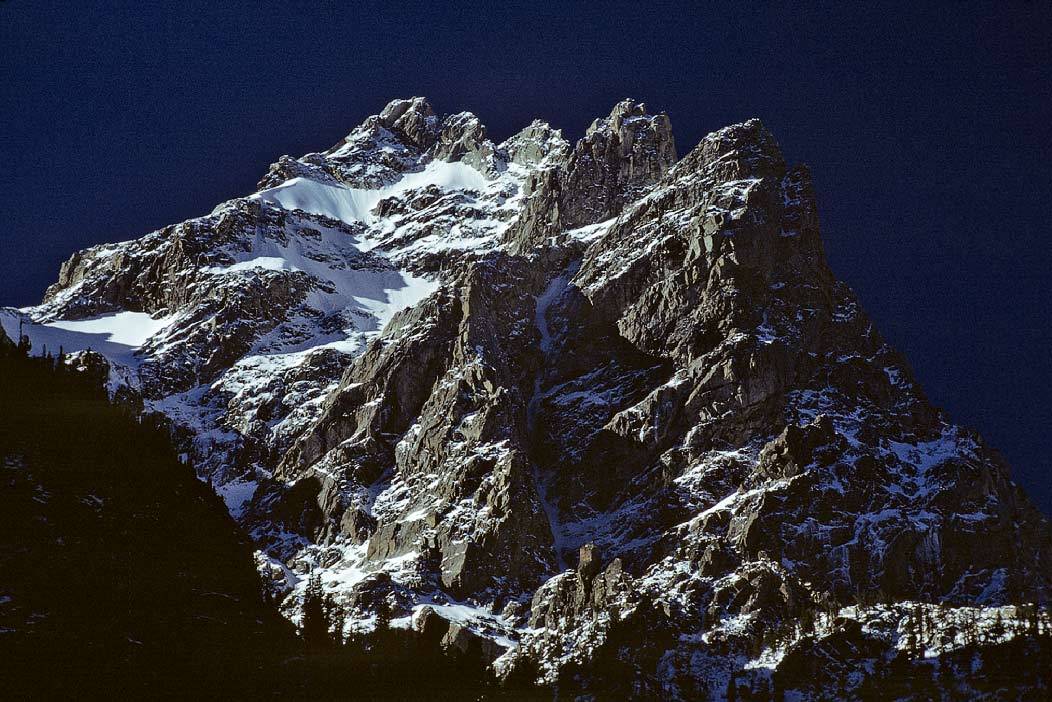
{"points": [[744, 150], [464, 138], [619, 157], [461, 134], [535, 143], [413, 119]]}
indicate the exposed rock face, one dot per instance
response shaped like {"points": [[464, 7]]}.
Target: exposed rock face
{"points": [[413, 120], [454, 635], [440, 370], [619, 158], [590, 590]]}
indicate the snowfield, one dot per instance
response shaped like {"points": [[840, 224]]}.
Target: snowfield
{"points": [[356, 204], [117, 336]]}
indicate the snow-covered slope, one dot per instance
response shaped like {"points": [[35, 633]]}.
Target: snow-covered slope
{"points": [[555, 395]]}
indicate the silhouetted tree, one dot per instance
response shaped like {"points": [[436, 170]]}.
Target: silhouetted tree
{"points": [[912, 631], [777, 689], [335, 619], [997, 631], [315, 625], [732, 688], [945, 675]]}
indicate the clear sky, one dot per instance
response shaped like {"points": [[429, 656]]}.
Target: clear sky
{"points": [[929, 131]]}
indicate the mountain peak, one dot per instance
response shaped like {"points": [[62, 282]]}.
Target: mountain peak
{"points": [[534, 143], [616, 161], [437, 372], [413, 119], [624, 111], [396, 109], [745, 149]]}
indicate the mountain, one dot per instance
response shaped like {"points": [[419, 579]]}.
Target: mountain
{"points": [[603, 414]]}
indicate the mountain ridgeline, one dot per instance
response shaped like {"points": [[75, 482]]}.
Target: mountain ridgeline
{"points": [[597, 416]]}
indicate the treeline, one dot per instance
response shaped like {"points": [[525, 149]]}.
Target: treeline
{"points": [[392, 662]]}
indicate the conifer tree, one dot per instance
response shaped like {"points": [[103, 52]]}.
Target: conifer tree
{"points": [[777, 689], [732, 688], [315, 626], [997, 631], [383, 617], [335, 618], [911, 632], [382, 640], [1032, 620], [24, 344]]}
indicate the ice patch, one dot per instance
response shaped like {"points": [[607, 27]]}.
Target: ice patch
{"points": [[591, 232], [125, 328]]}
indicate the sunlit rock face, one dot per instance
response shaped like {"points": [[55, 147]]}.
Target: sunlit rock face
{"points": [[579, 402]]}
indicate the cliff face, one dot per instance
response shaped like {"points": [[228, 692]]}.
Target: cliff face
{"points": [[555, 394]]}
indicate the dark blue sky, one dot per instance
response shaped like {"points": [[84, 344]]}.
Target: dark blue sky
{"points": [[929, 131]]}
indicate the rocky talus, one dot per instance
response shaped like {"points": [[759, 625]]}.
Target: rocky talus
{"points": [[592, 406]]}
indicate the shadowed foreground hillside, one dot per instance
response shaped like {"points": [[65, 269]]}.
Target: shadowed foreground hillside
{"points": [[119, 571], [123, 576]]}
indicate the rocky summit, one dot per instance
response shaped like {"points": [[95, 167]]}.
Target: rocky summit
{"points": [[603, 413]]}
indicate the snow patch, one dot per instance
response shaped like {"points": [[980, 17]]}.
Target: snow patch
{"points": [[236, 493], [116, 336], [355, 204]]}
